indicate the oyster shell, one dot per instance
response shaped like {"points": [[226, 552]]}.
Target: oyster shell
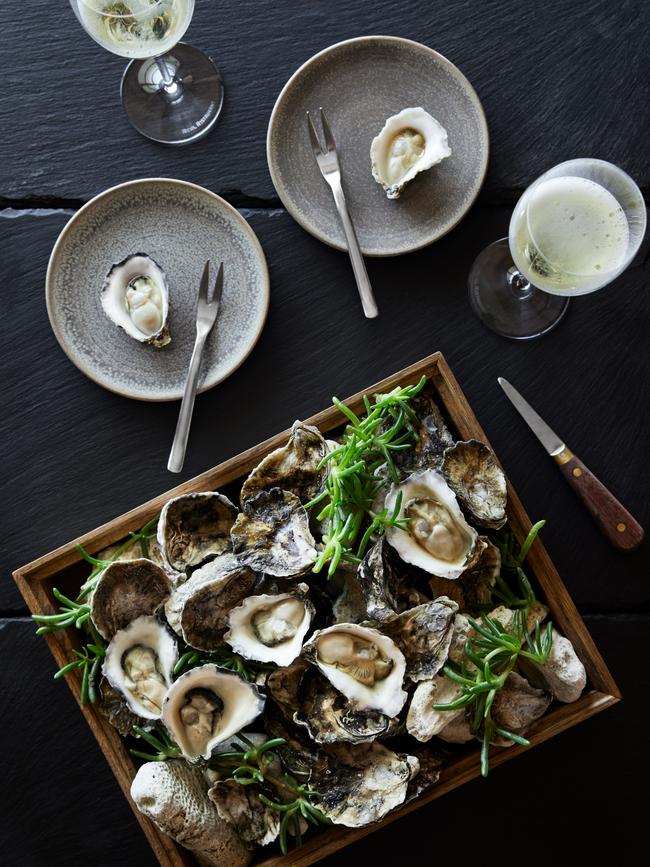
{"points": [[384, 590], [113, 706], [125, 590], [272, 534], [433, 437], [424, 634], [206, 706], [241, 808], [362, 663], [518, 704], [473, 590], [562, 674], [194, 528], [271, 628], [422, 721], [438, 539], [140, 662], [136, 298], [409, 143], [473, 474], [198, 609], [294, 467], [173, 794]]}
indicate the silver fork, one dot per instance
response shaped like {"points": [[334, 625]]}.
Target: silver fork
{"points": [[206, 316], [328, 163]]}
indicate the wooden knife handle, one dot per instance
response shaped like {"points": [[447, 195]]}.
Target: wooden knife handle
{"points": [[614, 520]]}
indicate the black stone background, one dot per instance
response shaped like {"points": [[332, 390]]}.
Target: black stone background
{"points": [[557, 79]]}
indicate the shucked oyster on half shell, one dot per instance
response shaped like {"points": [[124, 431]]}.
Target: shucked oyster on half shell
{"points": [[473, 474], [362, 663], [125, 590], [139, 663], [272, 535], [194, 528], [206, 706], [136, 298], [409, 143], [271, 627], [438, 539]]}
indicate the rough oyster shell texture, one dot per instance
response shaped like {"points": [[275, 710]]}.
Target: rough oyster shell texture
{"points": [[125, 590], [194, 528], [474, 475], [424, 634], [271, 534]]}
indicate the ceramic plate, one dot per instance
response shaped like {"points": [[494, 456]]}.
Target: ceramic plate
{"points": [[360, 83], [180, 225]]}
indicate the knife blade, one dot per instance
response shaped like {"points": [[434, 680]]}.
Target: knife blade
{"points": [[612, 518]]}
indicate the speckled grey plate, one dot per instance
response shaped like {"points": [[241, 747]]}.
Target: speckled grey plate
{"points": [[180, 225], [360, 83]]}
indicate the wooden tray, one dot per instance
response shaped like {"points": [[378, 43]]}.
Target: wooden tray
{"points": [[64, 569]]}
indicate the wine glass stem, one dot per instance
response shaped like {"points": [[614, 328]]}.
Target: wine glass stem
{"points": [[519, 285], [171, 85]]}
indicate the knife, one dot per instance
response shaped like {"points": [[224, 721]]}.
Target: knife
{"points": [[613, 519]]}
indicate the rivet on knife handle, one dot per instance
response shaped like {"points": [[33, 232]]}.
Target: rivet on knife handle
{"points": [[620, 528]]}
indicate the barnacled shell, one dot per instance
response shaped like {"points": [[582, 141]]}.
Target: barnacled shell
{"points": [[271, 627], [272, 534], [473, 474], [173, 794], [135, 297], [424, 634], [198, 609], [294, 467], [194, 528], [422, 721], [125, 590], [562, 674], [362, 663], [140, 662], [437, 538], [206, 706], [241, 807]]}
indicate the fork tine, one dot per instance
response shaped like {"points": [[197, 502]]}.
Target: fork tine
{"points": [[329, 138], [205, 281], [313, 135], [218, 286]]}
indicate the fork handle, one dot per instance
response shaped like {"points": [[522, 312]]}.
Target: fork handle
{"points": [[358, 265], [177, 454]]}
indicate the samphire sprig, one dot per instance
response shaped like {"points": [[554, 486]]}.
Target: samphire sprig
{"points": [[357, 470], [492, 652], [164, 747], [249, 764], [76, 612], [224, 657]]}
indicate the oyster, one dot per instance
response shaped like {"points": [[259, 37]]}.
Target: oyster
{"points": [[140, 662], [294, 467], [206, 706], [113, 706], [473, 474], [473, 590], [563, 674], [409, 143], [241, 807], [173, 794], [272, 534], [433, 438], [518, 704], [438, 539], [136, 298], [194, 528], [384, 590], [198, 609], [125, 590], [422, 721], [424, 634], [362, 663], [271, 628]]}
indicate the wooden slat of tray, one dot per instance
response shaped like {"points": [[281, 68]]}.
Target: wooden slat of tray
{"points": [[36, 580]]}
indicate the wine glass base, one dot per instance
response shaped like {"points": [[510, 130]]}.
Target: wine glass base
{"points": [[178, 115], [510, 312]]}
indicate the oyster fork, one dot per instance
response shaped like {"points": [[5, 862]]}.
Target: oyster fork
{"points": [[328, 163], [206, 315]]}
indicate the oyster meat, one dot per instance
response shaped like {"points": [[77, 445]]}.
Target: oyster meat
{"points": [[272, 534], [437, 537], [140, 662], [271, 628], [294, 467], [194, 528], [198, 609], [473, 474], [206, 706], [125, 590], [136, 298], [409, 143], [362, 663]]}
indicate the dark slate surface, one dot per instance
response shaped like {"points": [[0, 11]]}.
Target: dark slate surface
{"points": [[557, 80], [554, 78]]}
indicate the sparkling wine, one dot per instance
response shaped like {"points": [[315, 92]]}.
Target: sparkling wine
{"points": [[136, 28]]}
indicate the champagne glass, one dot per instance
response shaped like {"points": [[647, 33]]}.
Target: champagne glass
{"points": [[172, 93], [574, 230]]}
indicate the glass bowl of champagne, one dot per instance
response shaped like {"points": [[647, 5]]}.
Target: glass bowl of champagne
{"points": [[574, 230], [171, 92]]}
